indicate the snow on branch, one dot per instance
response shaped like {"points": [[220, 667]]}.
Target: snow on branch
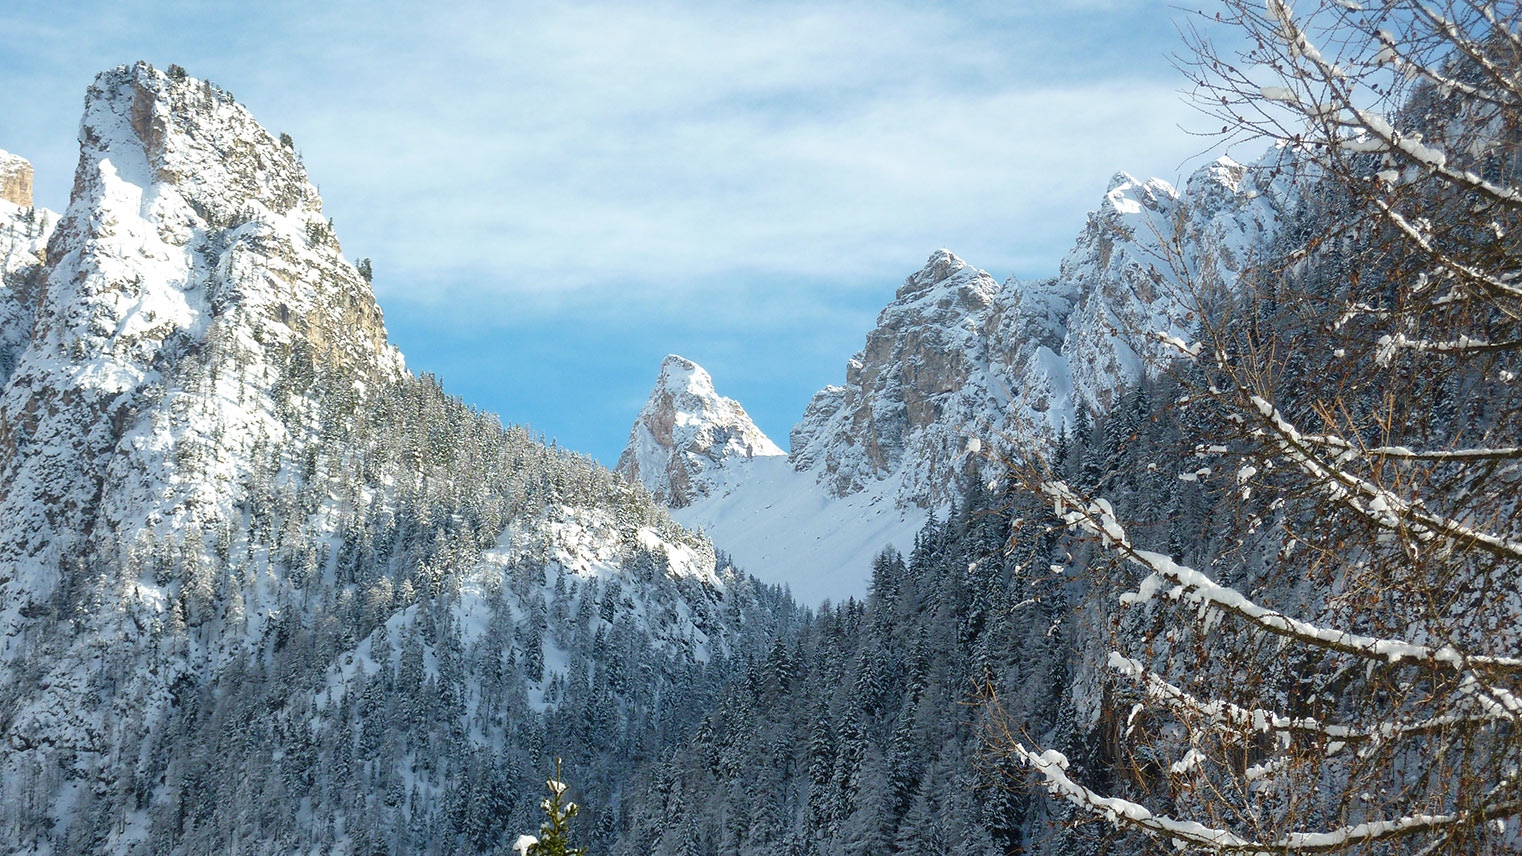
{"points": [[1474, 52], [1390, 53], [1098, 518], [1380, 505], [1347, 449], [1053, 768], [1384, 136], [1424, 242], [1224, 713], [1387, 346]]}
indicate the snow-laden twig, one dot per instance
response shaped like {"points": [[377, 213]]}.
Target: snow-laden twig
{"points": [[1380, 505], [1387, 346], [1224, 713], [1473, 51], [1344, 447], [1098, 517], [1300, 45], [1052, 766], [1390, 53], [1465, 272]]}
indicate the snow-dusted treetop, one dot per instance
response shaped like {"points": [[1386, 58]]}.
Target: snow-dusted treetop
{"points": [[685, 432]]}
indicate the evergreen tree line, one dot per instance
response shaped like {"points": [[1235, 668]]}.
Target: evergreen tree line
{"points": [[863, 732]]}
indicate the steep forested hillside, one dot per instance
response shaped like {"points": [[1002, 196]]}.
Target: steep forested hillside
{"points": [[863, 732], [265, 590]]}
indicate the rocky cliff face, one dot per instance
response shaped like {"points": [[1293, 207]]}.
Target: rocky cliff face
{"points": [[687, 434], [902, 401], [15, 180], [192, 268], [24, 234], [190, 286], [957, 355], [1151, 255]]}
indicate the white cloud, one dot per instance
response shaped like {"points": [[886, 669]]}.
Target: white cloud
{"points": [[764, 172], [592, 147]]}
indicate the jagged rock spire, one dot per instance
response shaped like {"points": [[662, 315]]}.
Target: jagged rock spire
{"points": [[686, 433]]}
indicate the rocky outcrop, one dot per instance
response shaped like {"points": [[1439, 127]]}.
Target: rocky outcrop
{"points": [[24, 234], [1151, 255], [929, 346], [193, 252], [15, 180], [957, 356], [688, 436]]}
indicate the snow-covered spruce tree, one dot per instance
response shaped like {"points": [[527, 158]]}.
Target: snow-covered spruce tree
{"points": [[1341, 671], [554, 834]]}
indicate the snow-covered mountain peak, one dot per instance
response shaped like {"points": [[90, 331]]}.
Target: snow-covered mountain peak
{"points": [[1144, 256], [687, 434], [193, 289], [170, 129], [1223, 171], [947, 278], [927, 343], [681, 377], [956, 354], [1128, 195]]}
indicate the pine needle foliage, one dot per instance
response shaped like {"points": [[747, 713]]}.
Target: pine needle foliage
{"points": [[558, 812]]}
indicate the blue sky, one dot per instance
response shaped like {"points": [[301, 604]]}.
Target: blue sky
{"points": [[557, 195]]}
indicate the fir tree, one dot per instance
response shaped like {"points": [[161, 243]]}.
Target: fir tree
{"points": [[558, 812]]}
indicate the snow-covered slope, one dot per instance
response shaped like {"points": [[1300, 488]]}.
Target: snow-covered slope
{"points": [[190, 275], [688, 436], [700, 454], [782, 526]]}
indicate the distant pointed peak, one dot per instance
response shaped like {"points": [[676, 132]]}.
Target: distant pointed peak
{"points": [[685, 431], [1225, 172], [1121, 180], [677, 369], [942, 263]]}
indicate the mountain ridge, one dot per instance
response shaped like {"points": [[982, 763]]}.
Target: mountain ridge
{"points": [[957, 356]]}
